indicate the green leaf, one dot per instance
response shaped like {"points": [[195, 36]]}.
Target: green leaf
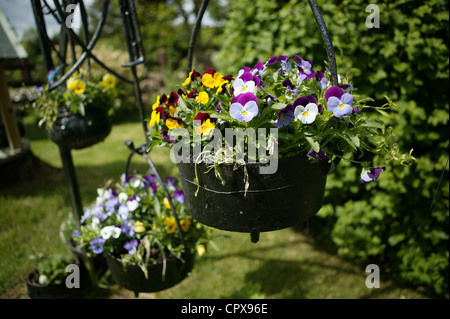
{"points": [[370, 123], [364, 100], [355, 140], [183, 106], [314, 144], [222, 116], [278, 106]]}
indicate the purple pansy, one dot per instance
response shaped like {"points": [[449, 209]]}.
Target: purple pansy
{"points": [[127, 230], [171, 182], [304, 68], [340, 103], [285, 64], [272, 60], [76, 233], [320, 155], [372, 174], [97, 245], [165, 135], [323, 81], [123, 212], [111, 204], [178, 196], [305, 100], [130, 246], [285, 116], [87, 214], [244, 107]]}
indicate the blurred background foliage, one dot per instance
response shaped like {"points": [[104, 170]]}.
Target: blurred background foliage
{"points": [[401, 222]]}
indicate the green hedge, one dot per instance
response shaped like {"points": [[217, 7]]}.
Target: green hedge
{"points": [[402, 220]]}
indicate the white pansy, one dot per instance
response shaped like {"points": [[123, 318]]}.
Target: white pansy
{"points": [[122, 198], [43, 280], [243, 87], [306, 114], [95, 222], [132, 205], [110, 231], [106, 232], [136, 183]]}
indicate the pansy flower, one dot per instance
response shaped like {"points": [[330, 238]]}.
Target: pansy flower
{"points": [[130, 246], [171, 224], [212, 79], [192, 76], [306, 114], [304, 68], [285, 116], [372, 174], [286, 66], [171, 182], [172, 122], [319, 155], [184, 224], [202, 98], [156, 113], [172, 100], [241, 85], [339, 103], [322, 80], [204, 124], [244, 107], [178, 196], [97, 245], [167, 137]]}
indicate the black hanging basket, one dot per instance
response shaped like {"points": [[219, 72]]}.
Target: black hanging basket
{"points": [[273, 201], [160, 276], [56, 291], [74, 131]]}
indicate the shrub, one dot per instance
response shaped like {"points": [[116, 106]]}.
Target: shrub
{"points": [[402, 221]]}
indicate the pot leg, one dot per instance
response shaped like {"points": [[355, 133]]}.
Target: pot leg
{"points": [[254, 237]]}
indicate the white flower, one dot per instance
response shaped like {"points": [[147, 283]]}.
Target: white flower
{"points": [[306, 114], [136, 183], [95, 222], [43, 280], [110, 231], [122, 198], [132, 205], [243, 87]]}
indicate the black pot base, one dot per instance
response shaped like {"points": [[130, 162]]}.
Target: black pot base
{"points": [[276, 201]]}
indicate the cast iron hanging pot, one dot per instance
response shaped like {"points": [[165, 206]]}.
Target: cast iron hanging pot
{"points": [[273, 201], [75, 131], [162, 275]]}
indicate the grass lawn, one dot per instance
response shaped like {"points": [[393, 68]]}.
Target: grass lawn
{"points": [[283, 264]]}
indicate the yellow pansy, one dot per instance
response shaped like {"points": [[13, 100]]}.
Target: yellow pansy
{"points": [[171, 224], [108, 81], [155, 117], [157, 104], [185, 223], [212, 80], [139, 227], [172, 123], [205, 128], [71, 82], [202, 98], [188, 80], [172, 110], [78, 86], [201, 250], [166, 203]]}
